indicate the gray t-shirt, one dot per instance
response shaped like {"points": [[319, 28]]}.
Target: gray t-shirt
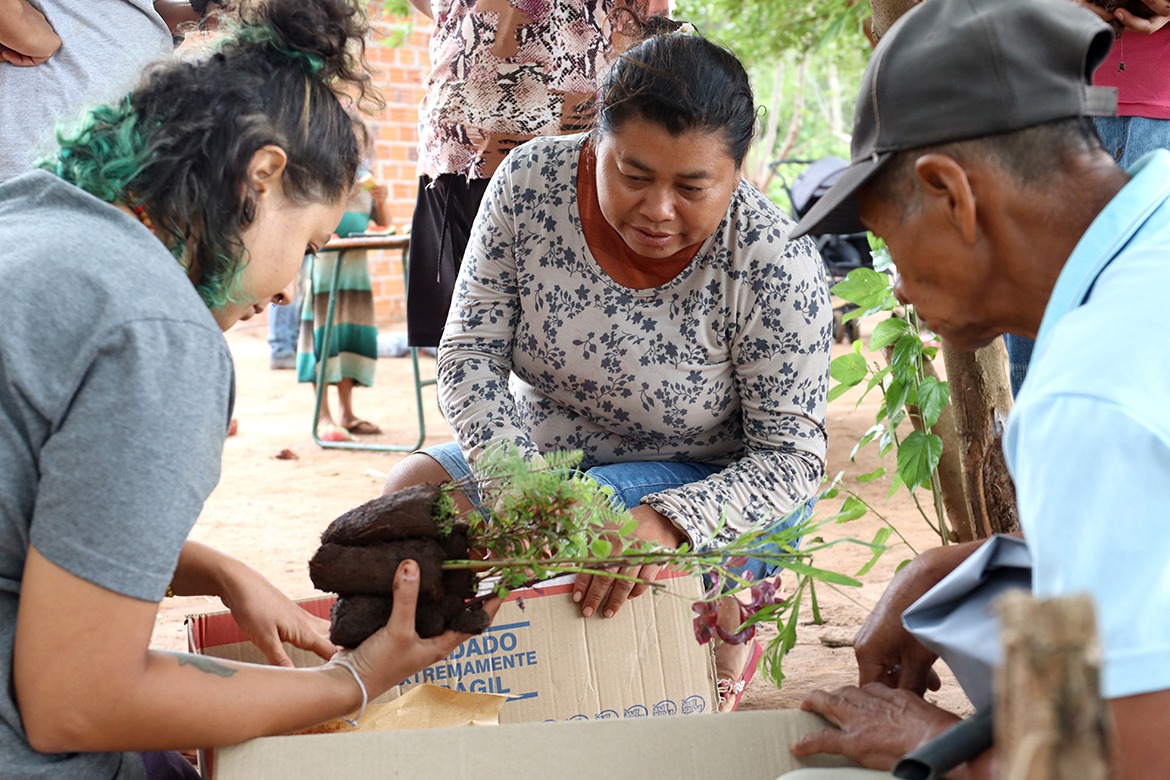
{"points": [[105, 44], [115, 393]]}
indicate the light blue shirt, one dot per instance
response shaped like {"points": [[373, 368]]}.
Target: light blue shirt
{"points": [[1088, 442]]}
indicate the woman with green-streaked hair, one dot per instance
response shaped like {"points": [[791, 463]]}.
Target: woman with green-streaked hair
{"points": [[160, 222]]}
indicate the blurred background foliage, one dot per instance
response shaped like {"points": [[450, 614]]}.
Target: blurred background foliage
{"points": [[805, 59]]}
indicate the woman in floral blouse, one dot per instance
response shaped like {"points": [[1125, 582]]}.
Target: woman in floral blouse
{"points": [[627, 294]]}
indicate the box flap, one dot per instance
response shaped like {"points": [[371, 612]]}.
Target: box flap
{"points": [[743, 745]]}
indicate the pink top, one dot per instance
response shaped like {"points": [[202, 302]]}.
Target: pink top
{"points": [[1139, 66]]}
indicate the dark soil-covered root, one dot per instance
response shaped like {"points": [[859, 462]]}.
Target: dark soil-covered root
{"points": [[403, 514], [352, 570], [360, 553]]}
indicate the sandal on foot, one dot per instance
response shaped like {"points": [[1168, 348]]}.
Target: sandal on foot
{"points": [[728, 688], [334, 433], [363, 428]]}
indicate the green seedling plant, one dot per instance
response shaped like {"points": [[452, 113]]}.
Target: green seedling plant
{"points": [[910, 399], [549, 519]]}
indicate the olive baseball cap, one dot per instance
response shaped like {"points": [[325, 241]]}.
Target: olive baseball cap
{"points": [[953, 70]]}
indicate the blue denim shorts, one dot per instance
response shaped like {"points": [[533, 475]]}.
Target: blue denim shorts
{"points": [[631, 482], [1129, 138]]}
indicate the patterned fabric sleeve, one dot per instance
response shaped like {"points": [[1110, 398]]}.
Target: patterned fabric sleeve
{"points": [[783, 385], [474, 359]]}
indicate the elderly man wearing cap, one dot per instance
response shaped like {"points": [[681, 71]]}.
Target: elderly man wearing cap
{"points": [[975, 158]]}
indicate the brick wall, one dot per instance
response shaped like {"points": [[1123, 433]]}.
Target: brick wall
{"points": [[400, 70]]}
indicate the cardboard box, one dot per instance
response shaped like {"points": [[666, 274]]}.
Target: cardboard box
{"points": [[736, 746], [551, 663]]}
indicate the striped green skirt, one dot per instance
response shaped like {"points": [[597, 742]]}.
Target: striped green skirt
{"points": [[353, 347]]}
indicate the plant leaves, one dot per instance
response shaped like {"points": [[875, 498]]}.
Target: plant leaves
{"points": [[851, 509], [824, 575], [863, 287], [838, 390], [849, 369], [869, 436], [918, 457], [887, 332], [877, 473], [897, 394], [879, 547], [933, 396]]}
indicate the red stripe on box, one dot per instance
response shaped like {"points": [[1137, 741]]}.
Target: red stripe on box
{"points": [[219, 628]]}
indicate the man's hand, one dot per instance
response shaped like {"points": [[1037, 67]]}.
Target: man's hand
{"points": [[26, 37], [876, 725], [886, 652]]}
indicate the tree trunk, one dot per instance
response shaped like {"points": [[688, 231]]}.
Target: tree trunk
{"points": [[981, 397], [886, 12], [1050, 720]]}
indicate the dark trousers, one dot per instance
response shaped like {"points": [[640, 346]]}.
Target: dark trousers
{"points": [[443, 215]]}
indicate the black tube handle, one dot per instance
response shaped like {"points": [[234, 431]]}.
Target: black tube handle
{"points": [[961, 742]]}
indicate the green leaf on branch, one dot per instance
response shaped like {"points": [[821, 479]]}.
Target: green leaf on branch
{"points": [[851, 509], [918, 457], [878, 545], [877, 473], [601, 548], [895, 483], [814, 604], [863, 287], [869, 436], [824, 575], [897, 396], [907, 353], [849, 369], [933, 396], [887, 332], [875, 380], [838, 390]]}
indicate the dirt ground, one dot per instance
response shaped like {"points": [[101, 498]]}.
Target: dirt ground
{"points": [[270, 512]]}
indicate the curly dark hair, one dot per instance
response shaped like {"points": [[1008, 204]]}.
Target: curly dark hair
{"points": [[179, 145]]}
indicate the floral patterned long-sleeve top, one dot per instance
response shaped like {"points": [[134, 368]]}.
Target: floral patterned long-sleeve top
{"points": [[727, 363]]}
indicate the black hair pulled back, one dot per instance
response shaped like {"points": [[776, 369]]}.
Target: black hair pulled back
{"points": [[682, 82]]}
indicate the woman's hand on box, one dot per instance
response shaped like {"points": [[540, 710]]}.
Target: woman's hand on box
{"points": [[607, 594]]}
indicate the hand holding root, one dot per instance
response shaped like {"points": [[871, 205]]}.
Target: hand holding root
{"points": [[396, 651], [361, 550]]}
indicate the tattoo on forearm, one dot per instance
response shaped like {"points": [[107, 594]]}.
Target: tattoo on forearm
{"points": [[206, 665]]}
